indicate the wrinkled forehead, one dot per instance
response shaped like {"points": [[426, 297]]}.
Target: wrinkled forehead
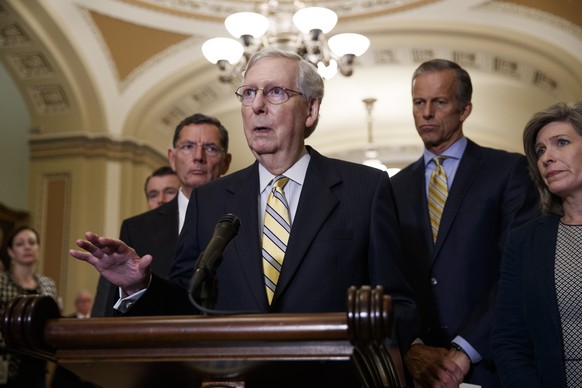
{"points": [[272, 71], [200, 133]]}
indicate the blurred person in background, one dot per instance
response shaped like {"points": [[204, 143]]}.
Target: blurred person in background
{"points": [[83, 304], [161, 187], [21, 278], [3, 255]]}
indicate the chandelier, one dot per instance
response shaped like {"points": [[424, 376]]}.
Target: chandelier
{"points": [[371, 153], [302, 32]]}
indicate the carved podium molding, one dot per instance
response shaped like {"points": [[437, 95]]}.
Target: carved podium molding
{"points": [[217, 351]]}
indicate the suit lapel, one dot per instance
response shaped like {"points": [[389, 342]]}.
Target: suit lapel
{"points": [[164, 234], [317, 201], [242, 192], [413, 209], [166, 223], [419, 209], [543, 261], [470, 164]]}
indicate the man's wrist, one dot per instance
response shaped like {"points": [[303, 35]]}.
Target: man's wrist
{"points": [[459, 348], [126, 292]]}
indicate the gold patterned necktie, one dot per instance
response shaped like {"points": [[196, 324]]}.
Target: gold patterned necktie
{"points": [[276, 231], [437, 195]]}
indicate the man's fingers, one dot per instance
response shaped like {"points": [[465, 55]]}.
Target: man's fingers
{"points": [[84, 256], [145, 262], [78, 254], [453, 370], [91, 237]]}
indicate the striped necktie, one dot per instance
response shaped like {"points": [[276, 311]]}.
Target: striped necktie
{"points": [[437, 195], [276, 231]]}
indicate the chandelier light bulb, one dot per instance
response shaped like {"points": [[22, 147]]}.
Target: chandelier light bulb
{"points": [[246, 23], [315, 18], [327, 72], [348, 43], [217, 49]]}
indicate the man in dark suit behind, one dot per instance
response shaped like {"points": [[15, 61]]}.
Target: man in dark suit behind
{"points": [[199, 155], [161, 187], [455, 276]]}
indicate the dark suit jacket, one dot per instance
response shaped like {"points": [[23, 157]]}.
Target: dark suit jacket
{"points": [[344, 233], [154, 232], [456, 278], [527, 340]]}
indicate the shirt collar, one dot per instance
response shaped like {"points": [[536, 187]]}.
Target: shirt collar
{"points": [[455, 151], [295, 173], [182, 200]]}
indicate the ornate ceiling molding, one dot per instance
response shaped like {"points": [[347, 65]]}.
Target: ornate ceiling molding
{"points": [[49, 99], [484, 61], [12, 34], [42, 147], [563, 19], [31, 65], [218, 10]]}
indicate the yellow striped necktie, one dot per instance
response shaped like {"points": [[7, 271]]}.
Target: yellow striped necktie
{"points": [[437, 195], [276, 231]]}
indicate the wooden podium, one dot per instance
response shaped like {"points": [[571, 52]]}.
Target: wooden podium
{"points": [[218, 351]]}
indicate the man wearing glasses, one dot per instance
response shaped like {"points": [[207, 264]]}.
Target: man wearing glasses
{"points": [[341, 222], [198, 155]]}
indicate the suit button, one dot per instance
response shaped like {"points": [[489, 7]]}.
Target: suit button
{"points": [[433, 282]]}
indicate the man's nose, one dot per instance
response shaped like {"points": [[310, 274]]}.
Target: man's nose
{"points": [[428, 110]]}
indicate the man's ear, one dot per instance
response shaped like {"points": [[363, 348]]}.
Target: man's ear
{"points": [[171, 155], [227, 160], [466, 111], [312, 113]]}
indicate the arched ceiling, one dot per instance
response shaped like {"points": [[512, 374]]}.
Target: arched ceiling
{"points": [[133, 68]]}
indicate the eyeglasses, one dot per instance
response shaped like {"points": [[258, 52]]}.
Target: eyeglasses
{"points": [[187, 148], [274, 94]]}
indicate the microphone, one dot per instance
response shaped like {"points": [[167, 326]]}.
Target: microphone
{"points": [[205, 267]]}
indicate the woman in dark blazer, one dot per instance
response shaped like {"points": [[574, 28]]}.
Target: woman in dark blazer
{"points": [[537, 334]]}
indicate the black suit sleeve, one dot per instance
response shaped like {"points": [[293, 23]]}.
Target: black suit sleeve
{"points": [[163, 297]]}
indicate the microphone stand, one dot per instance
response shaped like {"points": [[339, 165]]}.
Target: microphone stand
{"points": [[207, 294], [207, 291], [203, 289]]}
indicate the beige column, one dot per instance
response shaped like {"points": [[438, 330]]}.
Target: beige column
{"points": [[79, 184]]}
